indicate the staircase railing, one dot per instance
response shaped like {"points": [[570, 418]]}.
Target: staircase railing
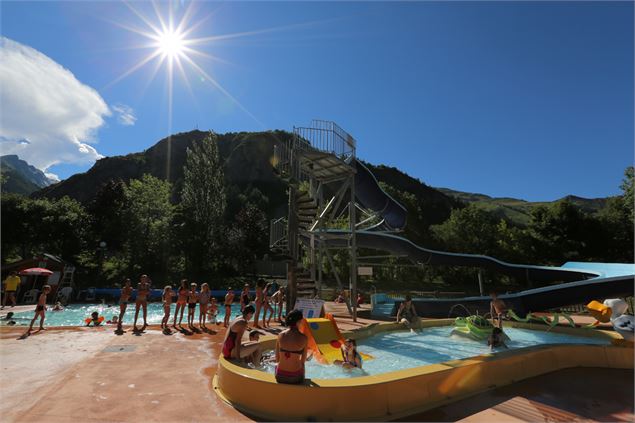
{"points": [[324, 136], [277, 231]]}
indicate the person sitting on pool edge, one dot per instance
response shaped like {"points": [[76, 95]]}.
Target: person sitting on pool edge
{"points": [[496, 339], [497, 309], [233, 348], [407, 315], [351, 359], [291, 351]]}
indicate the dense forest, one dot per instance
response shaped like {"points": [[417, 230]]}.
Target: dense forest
{"points": [[204, 214]]}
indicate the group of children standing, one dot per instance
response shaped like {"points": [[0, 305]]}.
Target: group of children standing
{"points": [[269, 299]]}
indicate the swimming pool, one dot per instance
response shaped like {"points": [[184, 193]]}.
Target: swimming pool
{"points": [[74, 314], [404, 350]]}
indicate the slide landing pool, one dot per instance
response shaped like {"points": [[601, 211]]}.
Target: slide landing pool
{"points": [[453, 370]]}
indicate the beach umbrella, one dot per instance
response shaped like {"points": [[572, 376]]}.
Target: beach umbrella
{"points": [[35, 271]]}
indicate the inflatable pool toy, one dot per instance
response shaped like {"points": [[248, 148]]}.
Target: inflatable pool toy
{"points": [[552, 322], [88, 320], [325, 339], [613, 310], [475, 327]]}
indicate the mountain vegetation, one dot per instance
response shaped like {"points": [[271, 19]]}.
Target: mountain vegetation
{"points": [[198, 205], [17, 176]]}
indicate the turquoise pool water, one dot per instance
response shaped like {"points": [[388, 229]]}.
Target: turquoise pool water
{"points": [[74, 314], [403, 350]]}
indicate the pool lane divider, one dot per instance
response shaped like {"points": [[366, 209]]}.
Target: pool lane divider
{"points": [[406, 392]]}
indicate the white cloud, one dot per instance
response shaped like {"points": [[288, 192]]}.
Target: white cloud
{"points": [[48, 116], [125, 114]]}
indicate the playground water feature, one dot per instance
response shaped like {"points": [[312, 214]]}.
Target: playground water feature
{"points": [[401, 350], [74, 314]]}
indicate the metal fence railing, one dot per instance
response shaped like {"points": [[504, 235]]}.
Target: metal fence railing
{"points": [[277, 231], [325, 136]]}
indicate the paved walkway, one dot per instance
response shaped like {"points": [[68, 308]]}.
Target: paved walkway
{"points": [[569, 395], [91, 374]]}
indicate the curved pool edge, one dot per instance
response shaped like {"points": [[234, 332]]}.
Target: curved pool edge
{"points": [[406, 392]]}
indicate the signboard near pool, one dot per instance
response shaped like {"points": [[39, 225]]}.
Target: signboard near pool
{"points": [[309, 307], [364, 271]]}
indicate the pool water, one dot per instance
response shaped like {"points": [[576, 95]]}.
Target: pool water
{"points": [[74, 314], [403, 350]]}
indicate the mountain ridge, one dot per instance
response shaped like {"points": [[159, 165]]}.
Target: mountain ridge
{"points": [[18, 176], [248, 156]]}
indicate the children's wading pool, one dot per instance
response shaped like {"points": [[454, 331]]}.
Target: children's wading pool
{"points": [[413, 372], [403, 350]]}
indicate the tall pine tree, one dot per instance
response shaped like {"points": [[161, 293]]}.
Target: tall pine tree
{"points": [[203, 203]]}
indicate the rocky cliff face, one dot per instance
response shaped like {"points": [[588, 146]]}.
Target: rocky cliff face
{"points": [[20, 177]]}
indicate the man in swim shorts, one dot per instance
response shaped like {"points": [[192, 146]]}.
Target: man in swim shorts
{"points": [[407, 314]]}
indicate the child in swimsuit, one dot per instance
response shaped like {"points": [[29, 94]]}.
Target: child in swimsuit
{"points": [[143, 291], [229, 300], [203, 301], [266, 305], [496, 339], [94, 319], [244, 297], [351, 358], [278, 299], [167, 303], [212, 311], [126, 292], [497, 309], [181, 302], [40, 309], [192, 299], [259, 299]]}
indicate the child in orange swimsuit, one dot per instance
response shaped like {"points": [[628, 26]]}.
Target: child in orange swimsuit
{"points": [[181, 302]]}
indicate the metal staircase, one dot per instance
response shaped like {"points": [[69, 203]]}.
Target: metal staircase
{"points": [[318, 164]]}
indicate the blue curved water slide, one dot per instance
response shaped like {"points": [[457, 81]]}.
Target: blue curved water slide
{"points": [[585, 281]]}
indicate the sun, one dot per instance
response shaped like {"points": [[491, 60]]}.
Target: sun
{"points": [[170, 44]]}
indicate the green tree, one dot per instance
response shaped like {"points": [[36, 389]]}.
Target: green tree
{"points": [[627, 191], [149, 216], [203, 203], [35, 226], [558, 233], [108, 210], [248, 237], [469, 230]]}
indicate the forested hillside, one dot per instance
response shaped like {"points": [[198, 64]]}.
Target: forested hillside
{"points": [[198, 205]]}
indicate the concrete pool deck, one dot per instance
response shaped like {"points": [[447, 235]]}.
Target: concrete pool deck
{"points": [[91, 374]]}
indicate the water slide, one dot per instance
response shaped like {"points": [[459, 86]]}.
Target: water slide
{"points": [[325, 339], [584, 282]]}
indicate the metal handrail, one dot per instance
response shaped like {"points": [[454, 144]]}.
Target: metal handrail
{"points": [[277, 231]]}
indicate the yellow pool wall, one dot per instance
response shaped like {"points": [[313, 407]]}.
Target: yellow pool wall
{"points": [[406, 392]]}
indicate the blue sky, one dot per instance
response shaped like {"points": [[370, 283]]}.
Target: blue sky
{"points": [[530, 100]]}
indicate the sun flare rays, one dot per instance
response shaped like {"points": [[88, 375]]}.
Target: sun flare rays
{"points": [[171, 45]]}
